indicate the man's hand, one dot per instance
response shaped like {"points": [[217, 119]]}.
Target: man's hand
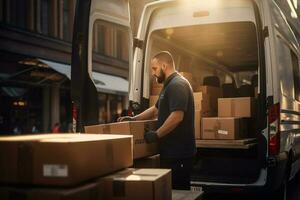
{"points": [[151, 137], [125, 118]]}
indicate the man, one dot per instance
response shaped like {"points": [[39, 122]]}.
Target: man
{"points": [[175, 111]]}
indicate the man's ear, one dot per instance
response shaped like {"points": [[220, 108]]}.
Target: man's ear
{"points": [[163, 66]]}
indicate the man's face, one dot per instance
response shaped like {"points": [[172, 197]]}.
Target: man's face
{"points": [[158, 71]]}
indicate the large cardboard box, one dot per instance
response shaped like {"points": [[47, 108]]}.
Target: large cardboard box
{"points": [[89, 191], [152, 100], [213, 92], [145, 184], [202, 102], [136, 128], [97, 129], [197, 125], [62, 160], [236, 107], [148, 162], [224, 128]]}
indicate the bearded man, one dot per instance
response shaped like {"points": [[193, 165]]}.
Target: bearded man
{"points": [[175, 114]]}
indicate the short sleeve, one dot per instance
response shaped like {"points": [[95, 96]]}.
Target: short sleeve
{"points": [[178, 97]]}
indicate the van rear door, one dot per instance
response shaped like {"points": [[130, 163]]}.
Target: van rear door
{"points": [[88, 39]]}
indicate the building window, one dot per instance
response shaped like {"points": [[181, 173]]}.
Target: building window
{"points": [[296, 74], [49, 17], [44, 17], [111, 40]]}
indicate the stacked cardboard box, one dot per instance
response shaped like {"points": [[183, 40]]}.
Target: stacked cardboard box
{"points": [[154, 184], [202, 109], [224, 128], [136, 128], [236, 107], [232, 121], [213, 92], [63, 159]]}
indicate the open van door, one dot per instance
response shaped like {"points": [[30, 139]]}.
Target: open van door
{"points": [[83, 90], [137, 74]]}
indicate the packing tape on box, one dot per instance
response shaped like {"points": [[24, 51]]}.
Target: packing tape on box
{"points": [[25, 162]]}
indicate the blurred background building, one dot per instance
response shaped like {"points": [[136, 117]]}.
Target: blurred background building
{"points": [[35, 58]]}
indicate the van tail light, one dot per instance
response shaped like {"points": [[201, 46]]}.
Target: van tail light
{"points": [[274, 129]]}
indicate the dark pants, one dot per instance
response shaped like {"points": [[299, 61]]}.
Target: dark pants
{"points": [[181, 171]]}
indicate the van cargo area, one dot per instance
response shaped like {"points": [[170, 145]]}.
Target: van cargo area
{"points": [[220, 60]]}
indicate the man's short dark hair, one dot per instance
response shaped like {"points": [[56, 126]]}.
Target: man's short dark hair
{"points": [[165, 56]]}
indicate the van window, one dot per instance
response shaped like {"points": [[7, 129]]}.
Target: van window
{"points": [[285, 68], [296, 74], [111, 40]]}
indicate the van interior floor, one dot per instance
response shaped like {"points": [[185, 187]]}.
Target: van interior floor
{"points": [[227, 144]]}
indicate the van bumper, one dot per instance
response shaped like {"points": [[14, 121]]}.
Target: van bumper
{"points": [[276, 168]]}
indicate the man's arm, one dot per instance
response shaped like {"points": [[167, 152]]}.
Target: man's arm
{"points": [[150, 113], [170, 124]]}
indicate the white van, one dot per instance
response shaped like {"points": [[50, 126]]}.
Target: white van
{"points": [[237, 43]]}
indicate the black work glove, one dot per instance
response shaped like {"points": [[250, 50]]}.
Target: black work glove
{"points": [[125, 118], [151, 137]]}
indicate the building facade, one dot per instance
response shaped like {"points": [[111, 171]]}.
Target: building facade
{"points": [[35, 58]]}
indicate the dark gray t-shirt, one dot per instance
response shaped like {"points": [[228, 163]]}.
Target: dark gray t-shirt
{"points": [[177, 95]]}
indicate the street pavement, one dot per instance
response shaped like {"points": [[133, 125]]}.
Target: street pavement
{"points": [[293, 193]]}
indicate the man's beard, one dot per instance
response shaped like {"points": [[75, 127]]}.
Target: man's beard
{"points": [[161, 78]]}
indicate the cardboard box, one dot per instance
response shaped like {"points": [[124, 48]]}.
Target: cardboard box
{"points": [[236, 107], [213, 92], [62, 161], [202, 102], [97, 129], [136, 128], [198, 117], [197, 124], [152, 100], [188, 76], [224, 128], [145, 184], [89, 191], [149, 162]]}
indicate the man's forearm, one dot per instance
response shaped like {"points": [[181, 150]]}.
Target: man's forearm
{"points": [[170, 124], [150, 113]]}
